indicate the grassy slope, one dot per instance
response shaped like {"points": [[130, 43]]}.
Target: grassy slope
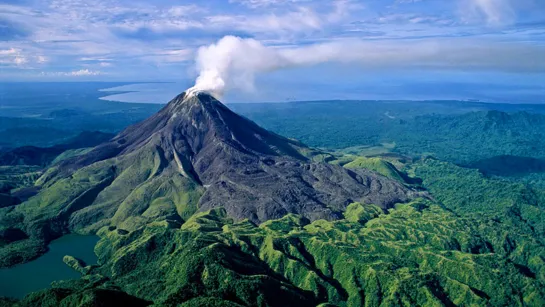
{"points": [[14, 177], [128, 193], [377, 165], [418, 254]]}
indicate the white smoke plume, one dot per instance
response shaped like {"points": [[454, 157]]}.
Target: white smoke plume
{"points": [[233, 62]]}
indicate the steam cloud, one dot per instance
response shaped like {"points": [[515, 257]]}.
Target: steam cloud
{"points": [[233, 62]]}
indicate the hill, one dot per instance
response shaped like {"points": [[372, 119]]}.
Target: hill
{"points": [[193, 155], [43, 156], [417, 254]]}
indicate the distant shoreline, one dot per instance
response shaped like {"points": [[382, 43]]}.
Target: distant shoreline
{"points": [[141, 93]]}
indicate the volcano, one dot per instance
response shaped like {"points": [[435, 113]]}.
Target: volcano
{"points": [[195, 155]]}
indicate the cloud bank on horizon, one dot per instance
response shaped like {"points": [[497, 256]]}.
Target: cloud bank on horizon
{"points": [[120, 39]]}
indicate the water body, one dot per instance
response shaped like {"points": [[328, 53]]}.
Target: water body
{"points": [[350, 83], [160, 93], [38, 274]]}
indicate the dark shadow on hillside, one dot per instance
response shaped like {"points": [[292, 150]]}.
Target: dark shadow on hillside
{"points": [[43, 156], [509, 166]]}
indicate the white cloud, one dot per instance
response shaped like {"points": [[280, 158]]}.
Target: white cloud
{"points": [[75, 73], [142, 34], [160, 57], [63, 31], [494, 12], [297, 20], [41, 59], [83, 72], [185, 10], [13, 57], [181, 55], [265, 3], [300, 20], [19, 60], [93, 59], [407, 1], [10, 51]]}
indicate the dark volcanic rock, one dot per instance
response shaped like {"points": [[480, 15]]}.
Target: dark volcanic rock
{"points": [[250, 171]]}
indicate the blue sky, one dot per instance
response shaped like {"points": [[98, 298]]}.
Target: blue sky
{"points": [[442, 46]]}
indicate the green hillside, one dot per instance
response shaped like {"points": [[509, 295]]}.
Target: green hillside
{"points": [[417, 254], [480, 242], [377, 165]]}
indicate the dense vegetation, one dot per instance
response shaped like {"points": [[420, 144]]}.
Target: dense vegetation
{"points": [[456, 134], [480, 242], [418, 254], [476, 237]]}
